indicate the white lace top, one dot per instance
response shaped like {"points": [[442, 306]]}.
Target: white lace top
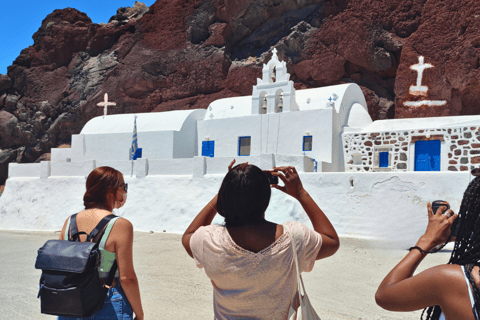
{"points": [[248, 285]]}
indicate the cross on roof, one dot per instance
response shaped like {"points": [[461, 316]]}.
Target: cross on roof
{"points": [[105, 104], [330, 99], [274, 56]]}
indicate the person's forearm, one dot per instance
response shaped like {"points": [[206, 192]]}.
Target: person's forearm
{"points": [[132, 291], [407, 266], [204, 217], [320, 222]]}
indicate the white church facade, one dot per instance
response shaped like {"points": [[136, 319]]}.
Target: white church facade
{"points": [[276, 122], [353, 167]]}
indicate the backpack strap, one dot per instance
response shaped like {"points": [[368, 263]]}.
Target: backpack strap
{"points": [[74, 233], [100, 226], [106, 233], [67, 230], [111, 274]]}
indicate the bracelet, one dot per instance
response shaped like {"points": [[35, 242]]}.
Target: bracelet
{"points": [[420, 249]]}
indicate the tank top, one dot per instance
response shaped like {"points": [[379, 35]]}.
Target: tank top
{"points": [[470, 294], [107, 258]]}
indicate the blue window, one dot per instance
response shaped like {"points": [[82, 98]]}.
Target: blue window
{"points": [[208, 148], [307, 143], [244, 146], [427, 155], [383, 159]]}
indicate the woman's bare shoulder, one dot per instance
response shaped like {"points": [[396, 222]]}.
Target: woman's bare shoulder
{"points": [[123, 224], [446, 276]]}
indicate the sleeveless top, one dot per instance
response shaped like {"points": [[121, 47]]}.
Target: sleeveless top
{"points": [[470, 294], [107, 258]]}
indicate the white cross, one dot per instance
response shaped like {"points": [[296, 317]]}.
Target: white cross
{"points": [[419, 90], [274, 56], [105, 104]]}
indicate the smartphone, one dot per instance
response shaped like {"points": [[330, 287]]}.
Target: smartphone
{"points": [[271, 178], [439, 203], [442, 203]]}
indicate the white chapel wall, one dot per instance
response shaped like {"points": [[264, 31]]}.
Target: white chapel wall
{"points": [[380, 206]]}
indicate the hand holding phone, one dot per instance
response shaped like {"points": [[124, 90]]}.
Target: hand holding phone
{"points": [[442, 203], [271, 178]]}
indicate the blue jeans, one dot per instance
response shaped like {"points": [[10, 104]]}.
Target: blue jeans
{"points": [[116, 306]]}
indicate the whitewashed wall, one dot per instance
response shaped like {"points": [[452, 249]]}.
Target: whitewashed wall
{"points": [[380, 206], [279, 133]]}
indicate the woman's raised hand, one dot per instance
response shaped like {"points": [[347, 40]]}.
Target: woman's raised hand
{"points": [[292, 184], [439, 223], [230, 166]]}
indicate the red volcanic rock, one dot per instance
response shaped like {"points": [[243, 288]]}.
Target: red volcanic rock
{"points": [[8, 123], [218, 35], [5, 83], [63, 32], [242, 77], [323, 66], [163, 27], [181, 54], [449, 40]]}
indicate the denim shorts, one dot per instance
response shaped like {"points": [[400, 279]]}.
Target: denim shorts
{"points": [[116, 306]]}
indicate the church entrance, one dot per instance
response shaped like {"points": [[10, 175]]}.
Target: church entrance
{"points": [[427, 155]]}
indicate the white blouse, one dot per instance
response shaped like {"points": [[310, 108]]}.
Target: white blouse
{"points": [[248, 285]]}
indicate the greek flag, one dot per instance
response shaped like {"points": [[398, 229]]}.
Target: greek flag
{"points": [[135, 151]]}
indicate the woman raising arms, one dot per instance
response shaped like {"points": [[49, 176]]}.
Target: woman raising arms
{"points": [[448, 291], [250, 259]]}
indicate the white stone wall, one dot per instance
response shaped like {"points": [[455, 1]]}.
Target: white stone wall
{"points": [[390, 207], [464, 148], [145, 167], [460, 148]]}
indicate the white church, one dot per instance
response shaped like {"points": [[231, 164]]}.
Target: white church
{"points": [[354, 168]]}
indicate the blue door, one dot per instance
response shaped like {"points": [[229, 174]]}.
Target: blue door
{"points": [[208, 148], [427, 155]]}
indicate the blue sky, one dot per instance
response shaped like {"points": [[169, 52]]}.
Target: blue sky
{"points": [[22, 18]]}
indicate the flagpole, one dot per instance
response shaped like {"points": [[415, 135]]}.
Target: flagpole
{"points": [[133, 139]]}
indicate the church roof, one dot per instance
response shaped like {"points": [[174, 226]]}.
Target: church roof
{"points": [[307, 99], [153, 121], [422, 123]]}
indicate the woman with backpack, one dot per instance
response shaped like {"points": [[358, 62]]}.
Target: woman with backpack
{"points": [[448, 291], [106, 190], [250, 260]]}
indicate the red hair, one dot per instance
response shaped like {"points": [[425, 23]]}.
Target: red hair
{"points": [[100, 182]]}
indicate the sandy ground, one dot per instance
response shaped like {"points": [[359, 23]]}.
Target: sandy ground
{"points": [[172, 287]]}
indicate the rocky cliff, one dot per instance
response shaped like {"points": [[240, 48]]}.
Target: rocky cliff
{"points": [[182, 54]]}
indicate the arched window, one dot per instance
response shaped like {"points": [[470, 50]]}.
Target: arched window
{"points": [[263, 103], [279, 101], [272, 76]]}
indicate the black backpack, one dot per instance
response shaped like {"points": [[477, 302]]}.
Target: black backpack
{"points": [[70, 285]]}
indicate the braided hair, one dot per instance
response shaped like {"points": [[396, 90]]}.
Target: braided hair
{"points": [[466, 251]]}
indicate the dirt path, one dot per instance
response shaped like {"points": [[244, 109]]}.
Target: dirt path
{"points": [[172, 287]]}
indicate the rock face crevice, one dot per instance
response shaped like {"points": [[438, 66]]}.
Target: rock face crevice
{"points": [[185, 54]]}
